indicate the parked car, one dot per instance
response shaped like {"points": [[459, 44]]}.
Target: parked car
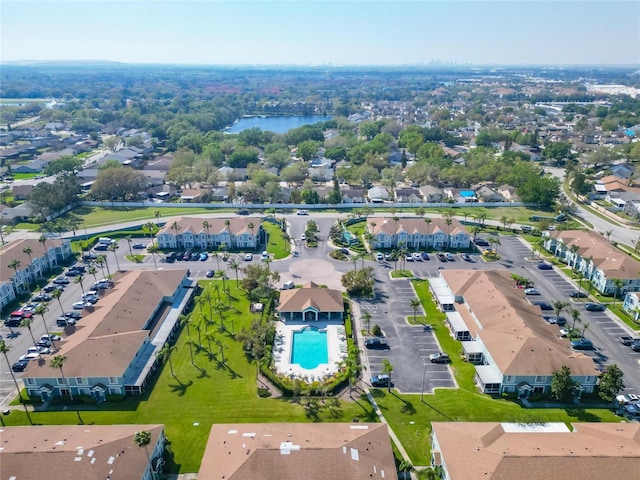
{"points": [[52, 288], [387, 256], [376, 343], [91, 299], [531, 291], [89, 256], [425, 256], [635, 346], [346, 251], [204, 256], [264, 255], [380, 381], [288, 285], [74, 315], [302, 212], [179, 256], [248, 257], [450, 257], [627, 399], [379, 256], [51, 337], [564, 332], [303, 237], [61, 281], [408, 257], [43, 342], [439, 358], [594, 307], [545, 266], [543, 306], [416, 257], [139, 246], [209, 274], [578, 294], [29, 356], [582, 344], [78, 305], [481, 242], [20, 365], [39, 350], [441, 257], [626, 340], [243, 212], [65, 322], [42, 297], [632, 409], [466, 257]]}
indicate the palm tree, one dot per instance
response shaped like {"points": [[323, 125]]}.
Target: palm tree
{"points": [[79, 280], [93, 271], [15, 264], [366, 317], [27, 250], [105, 262], [100, 263], [26, 322], [206, 225], [153, 249], [157, 215], [607, 233], [575, 315], [56, 294], [559, 306], [142, 439], [584, 329], [235, 266], [351, 367], [574, 249], [128, 239], [43, 241], [221, 348], [415, 304], [165, 354], [151, 229], [618, 284], [209, 337], [388, 369], [4, 348], [41, 310], [496, 243], [57, 362], [175, 226], [448, 221], [112, 248]]}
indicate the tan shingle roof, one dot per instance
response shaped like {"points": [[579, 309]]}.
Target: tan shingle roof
{"points": [[613, 262], [322, 299], [313, 451], [107, 338], [237, 225], [88, 452], [474, 451], [413, 226], [13, 251], [519, 341]]}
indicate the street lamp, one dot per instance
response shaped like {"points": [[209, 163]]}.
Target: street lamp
{"points": [[424, 372]]}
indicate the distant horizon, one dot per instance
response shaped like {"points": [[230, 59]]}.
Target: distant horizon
{"points": [[324, 32]]}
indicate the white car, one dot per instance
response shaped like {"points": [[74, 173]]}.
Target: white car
{"points": [[30, 356], [564, 332], [303, 237], [51, 337], [379, 256], [78, 305], [416, 257], [248, 257], [531, 291], [628, 399], [39, 350]]}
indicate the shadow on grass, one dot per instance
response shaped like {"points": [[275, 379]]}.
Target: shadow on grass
{"points": [[407, 406], [582, 415], [180, 388]]}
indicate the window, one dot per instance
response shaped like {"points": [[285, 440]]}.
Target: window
{"points": [[61, 381], [84, 391], [113, 379], [81, 381], [509, 378], [590, 379], [31, 381], [541, 379]]}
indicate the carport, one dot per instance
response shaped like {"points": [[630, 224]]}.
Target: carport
{"points": [[458, 327], [489, 379], [442, 294]]}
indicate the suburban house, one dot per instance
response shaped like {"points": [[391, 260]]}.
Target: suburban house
{"points": [[492, 451], [417, 233], [313, 451], [205, 233], [311, 304], [31, 259], [113, 350], [504, 336], [60, 452], [33, 166], [352, 195], [407, 195], [597, 259], [432, 194], [378, 194], [631, 305]]}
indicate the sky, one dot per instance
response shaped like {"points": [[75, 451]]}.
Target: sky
{"points": [[321, 32]]}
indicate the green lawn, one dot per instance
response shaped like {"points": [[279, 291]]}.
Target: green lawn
{"points": [[214, 393], [277, 246], [24, 176], [98, 216], [401, 274]]}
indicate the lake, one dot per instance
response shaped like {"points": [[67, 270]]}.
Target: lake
{"points": [[279, 124]]}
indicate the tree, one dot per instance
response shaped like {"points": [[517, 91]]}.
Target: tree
{"points": [[563, 387], [41, 310], [540, 190], [575, 315], [254, 341], [233, 265], [307, 150], [56, 294], [15, 264], [26, 323], [120, 183], [366, 318], [79, 279], [64, 164], [559, 306], [143, 439], [4, 348], [207, 226], [618, 284], [58, 362], [112, 248], [387, 368], [128, 239], [165, 355], [359, 283], [415, 304], [610, 383]]}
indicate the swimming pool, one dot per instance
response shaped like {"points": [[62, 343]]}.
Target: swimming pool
{"points": [[309, 348]]}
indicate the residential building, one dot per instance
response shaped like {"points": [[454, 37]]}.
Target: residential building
{"points": [[407, 195], [432, 194], [504, 336], [496, 451], [597, 259], [28, 267], [60, 452], [417, 233], [288, 451], [191, 232], [631, 305], [113, 350], [311, 304], [378, 194]]}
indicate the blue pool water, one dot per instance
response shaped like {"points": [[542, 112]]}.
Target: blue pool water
{"points": [[309, 348]]}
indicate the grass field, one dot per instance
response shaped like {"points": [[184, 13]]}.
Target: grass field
{"points": [[278, 246], [213, 392], [98, 216]]}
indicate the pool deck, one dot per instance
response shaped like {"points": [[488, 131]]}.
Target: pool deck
{"points": [[336, 344]]}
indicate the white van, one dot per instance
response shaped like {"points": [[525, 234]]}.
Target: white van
{"points": [[288, 285], [105, 241]]}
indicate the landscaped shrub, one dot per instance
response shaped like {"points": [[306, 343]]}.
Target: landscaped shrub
{"points": [[376, 330], [115, 398], [264, 393]]}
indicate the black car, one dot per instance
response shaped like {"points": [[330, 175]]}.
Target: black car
{"points": [[179, 256], [139, 246], [72, 273], [42, 297], [74, 315], [376, 343], [20, 365], [543, 305], [65, 322], [594, 307], [481, 242], [61, 281], [210, 274], [52, 288], [635, 346], [243, 212], [578, 294]]}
